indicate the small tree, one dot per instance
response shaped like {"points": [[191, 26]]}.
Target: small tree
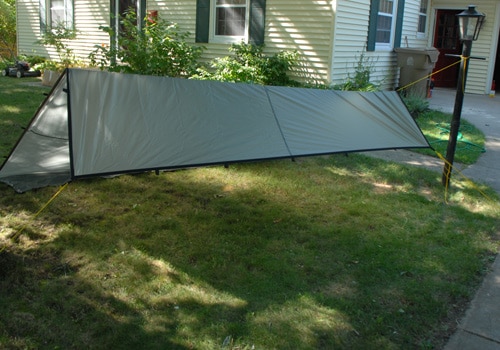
{"points": [[361, 79], [7, 29], [57, 37], [159, 48]]}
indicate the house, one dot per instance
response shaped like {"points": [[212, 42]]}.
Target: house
{"points": [[330, 35]]}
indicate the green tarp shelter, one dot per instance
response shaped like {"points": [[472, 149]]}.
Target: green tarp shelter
{"points": [[96, 123]]}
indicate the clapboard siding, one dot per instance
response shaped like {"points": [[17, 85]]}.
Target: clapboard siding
{"points": [[329, 35], [28, 28], [181, 12], [410, 37], [89, 15], [306, 27], [350, 38]]}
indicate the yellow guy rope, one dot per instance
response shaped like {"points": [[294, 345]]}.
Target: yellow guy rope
{"points": [[465, 177], [439, 154], [18, 233], [430, 75]]}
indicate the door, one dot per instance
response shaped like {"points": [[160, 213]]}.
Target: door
{"points": [[447, 41], [496, 74]]}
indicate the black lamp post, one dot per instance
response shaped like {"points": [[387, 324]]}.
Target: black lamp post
{"points": [[470, 22]]}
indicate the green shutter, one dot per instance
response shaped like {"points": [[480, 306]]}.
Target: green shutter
{"points": [[257, 21], [202, 20], [372, 25], [399, 23]]}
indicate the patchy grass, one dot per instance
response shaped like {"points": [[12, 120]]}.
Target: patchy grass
{"points": [[19, 99], [435, 126], [325, 252]]}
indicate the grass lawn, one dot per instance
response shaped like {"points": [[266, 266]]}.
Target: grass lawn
{"points": [[435, 126], [325, 252]]}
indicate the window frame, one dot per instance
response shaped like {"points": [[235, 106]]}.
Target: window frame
{"points": [[422, 18], [256, 26], [396, 27], [46, 15], [387, 46], [227, 39]]}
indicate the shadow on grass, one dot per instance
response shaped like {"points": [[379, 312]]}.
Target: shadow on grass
{"points": [[277, 259]]}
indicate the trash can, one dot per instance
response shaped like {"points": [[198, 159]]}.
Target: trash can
{"points": [[416, 64]]}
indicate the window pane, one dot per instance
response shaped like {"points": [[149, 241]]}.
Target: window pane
{"points": [[422, 18], [57, 13], [423, 6], [384, 29], [230, 21], [386, 6], [421, 23]]}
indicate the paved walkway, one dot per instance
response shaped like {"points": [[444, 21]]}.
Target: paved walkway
{"points": [[480, 328]]}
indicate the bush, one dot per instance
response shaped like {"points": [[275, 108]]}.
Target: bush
{"points": [[248, 64], [7, 30], [416, 105], [360, 80], [57, 38], [159, 48]]}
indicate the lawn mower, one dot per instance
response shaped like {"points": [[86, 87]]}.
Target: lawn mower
{"points": [[20, 69]]}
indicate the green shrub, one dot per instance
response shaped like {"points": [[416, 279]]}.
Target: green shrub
{"points": [[7, 30], [249, 64], [360, 80], [416, 105], [158, 48]]}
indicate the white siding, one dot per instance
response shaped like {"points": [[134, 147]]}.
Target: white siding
{"points": [[306, 27], [350, 39], [330, 35], [480, 72], [409, 37], [89, 15], [28, 28]]}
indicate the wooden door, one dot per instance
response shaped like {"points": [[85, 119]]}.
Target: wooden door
{"points": [[447, 41]]}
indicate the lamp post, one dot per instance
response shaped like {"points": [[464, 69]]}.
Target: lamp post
{"points": [[470, 22]]}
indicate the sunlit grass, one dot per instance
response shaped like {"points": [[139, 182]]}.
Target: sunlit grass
{"points": [[435, 126], [19, 99], [324, 252]]}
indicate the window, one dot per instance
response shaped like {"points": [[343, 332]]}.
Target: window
{"points": [[422, 17], [385, 24], [56, 13], [228, 21]]}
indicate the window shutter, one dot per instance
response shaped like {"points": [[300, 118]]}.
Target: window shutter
{"points": [[372, 25], [399, 23], [43, 16], [257, 21], [202, 20]]}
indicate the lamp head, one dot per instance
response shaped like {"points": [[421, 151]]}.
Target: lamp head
{"points": [[470, 22]]}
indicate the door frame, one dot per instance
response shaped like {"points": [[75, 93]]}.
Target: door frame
{"points": [[494, 43], [432, 37]]}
